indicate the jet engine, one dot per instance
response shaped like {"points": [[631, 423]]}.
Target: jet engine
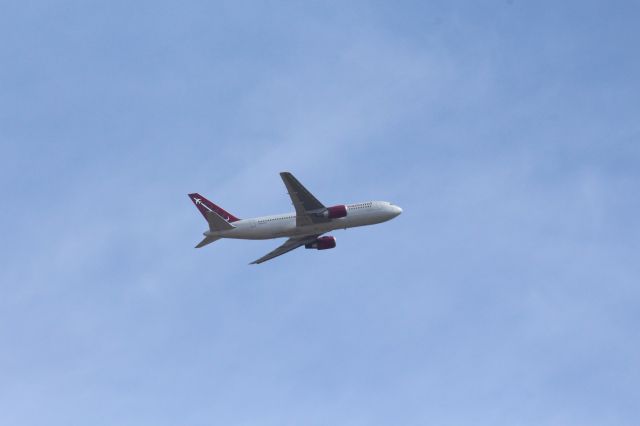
{"points": [[322, 243], [335, 212]]}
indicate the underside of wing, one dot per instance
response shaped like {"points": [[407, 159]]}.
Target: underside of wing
{"points": [[290, 244], [307, 206]]}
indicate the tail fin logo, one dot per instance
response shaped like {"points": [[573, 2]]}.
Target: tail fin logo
{"points": [[205, 205], [198, 201]]}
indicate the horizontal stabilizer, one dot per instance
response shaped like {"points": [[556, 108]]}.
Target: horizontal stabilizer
{"points": [[207, 240], [217, 223]]}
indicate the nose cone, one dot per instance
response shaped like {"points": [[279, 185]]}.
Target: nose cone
{"points": [[396, 211]]}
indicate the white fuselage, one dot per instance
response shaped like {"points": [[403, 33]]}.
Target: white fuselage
{"points": [[284, 225]]}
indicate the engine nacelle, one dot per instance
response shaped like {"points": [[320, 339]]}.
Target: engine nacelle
{"points": [[322, 243], [336, 212]]}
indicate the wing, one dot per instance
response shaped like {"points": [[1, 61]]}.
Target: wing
{"points": [[290, 244], [303, 200]]}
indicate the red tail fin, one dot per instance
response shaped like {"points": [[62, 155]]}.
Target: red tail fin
{"points": [[205, 206]]}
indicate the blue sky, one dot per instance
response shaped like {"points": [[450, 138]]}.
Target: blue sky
{"points": [[506, 294]]}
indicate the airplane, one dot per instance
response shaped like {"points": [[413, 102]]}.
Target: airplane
{"points": [[304, 227]]}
